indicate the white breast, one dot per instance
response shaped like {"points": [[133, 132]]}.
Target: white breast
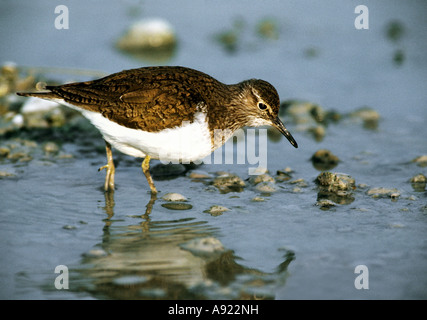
{"points": [[189, 142]]}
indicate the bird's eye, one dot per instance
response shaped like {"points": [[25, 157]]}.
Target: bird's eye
{"points": [[262, 106]]}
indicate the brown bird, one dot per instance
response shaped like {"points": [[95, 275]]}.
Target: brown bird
{"points": [[167, 113]]}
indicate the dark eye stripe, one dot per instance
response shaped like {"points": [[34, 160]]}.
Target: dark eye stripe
{"points": [[262, 106]]}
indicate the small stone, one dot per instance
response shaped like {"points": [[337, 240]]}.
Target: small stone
{"points": [[287, 170], [268, 28], [229, 182], [419, 178], [4, 152], [299, 182], [318, 132], [259, 171], [421, 160], [18, 120], [258, 199], [5, 174], [265, 187], [50, 147], [394, 195], [174, 197], [333, 182], [369, 116], [198, 174], [383, 192], [69, 227], [284, 175], [149, 39], [148, 33], [419, 182], [324, 159], [261, 178], [65, 156], [216, 210], [18, 155]]}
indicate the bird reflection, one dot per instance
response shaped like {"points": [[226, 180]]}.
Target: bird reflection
{"points": [[172, 259]]}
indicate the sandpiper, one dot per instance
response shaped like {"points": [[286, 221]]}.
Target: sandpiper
{"points": [[168, 113]]}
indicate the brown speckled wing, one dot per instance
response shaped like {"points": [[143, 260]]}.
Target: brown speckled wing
{"points": [[147, 99]]}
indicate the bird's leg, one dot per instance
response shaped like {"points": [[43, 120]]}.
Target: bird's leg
{"points": [[111, 169], [146, 169]]}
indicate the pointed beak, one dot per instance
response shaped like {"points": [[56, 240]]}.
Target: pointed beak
{"points": [[278, 124]]}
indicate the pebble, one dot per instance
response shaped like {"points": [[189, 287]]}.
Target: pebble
{"points": [[284, 175], [268, 28], [318, 132], [369, 116], [174, 197], [265, 187], [260, 170], [51, 147], [261, 178], [299, 182], [69, 227], [148, 33], [216, 210], [150, 39], [5, 174], [198, 174], [18, 120], [419, 178], [324, 159], [229, 182], [297, 190], [418, 182], [383, 192], [4, 152], [421, 160], [334, 182], [258, 199]]}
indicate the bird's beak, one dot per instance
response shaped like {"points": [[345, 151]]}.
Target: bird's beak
{"points": [[278, 124]]}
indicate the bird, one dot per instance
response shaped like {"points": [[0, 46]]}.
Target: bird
{"points": [[170, 113]]}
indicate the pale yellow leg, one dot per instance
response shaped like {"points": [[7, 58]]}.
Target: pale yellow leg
{"points": [[146, 169], [111, 169]]}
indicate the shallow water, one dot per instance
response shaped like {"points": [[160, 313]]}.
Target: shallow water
{"points": [[126, 245]]}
